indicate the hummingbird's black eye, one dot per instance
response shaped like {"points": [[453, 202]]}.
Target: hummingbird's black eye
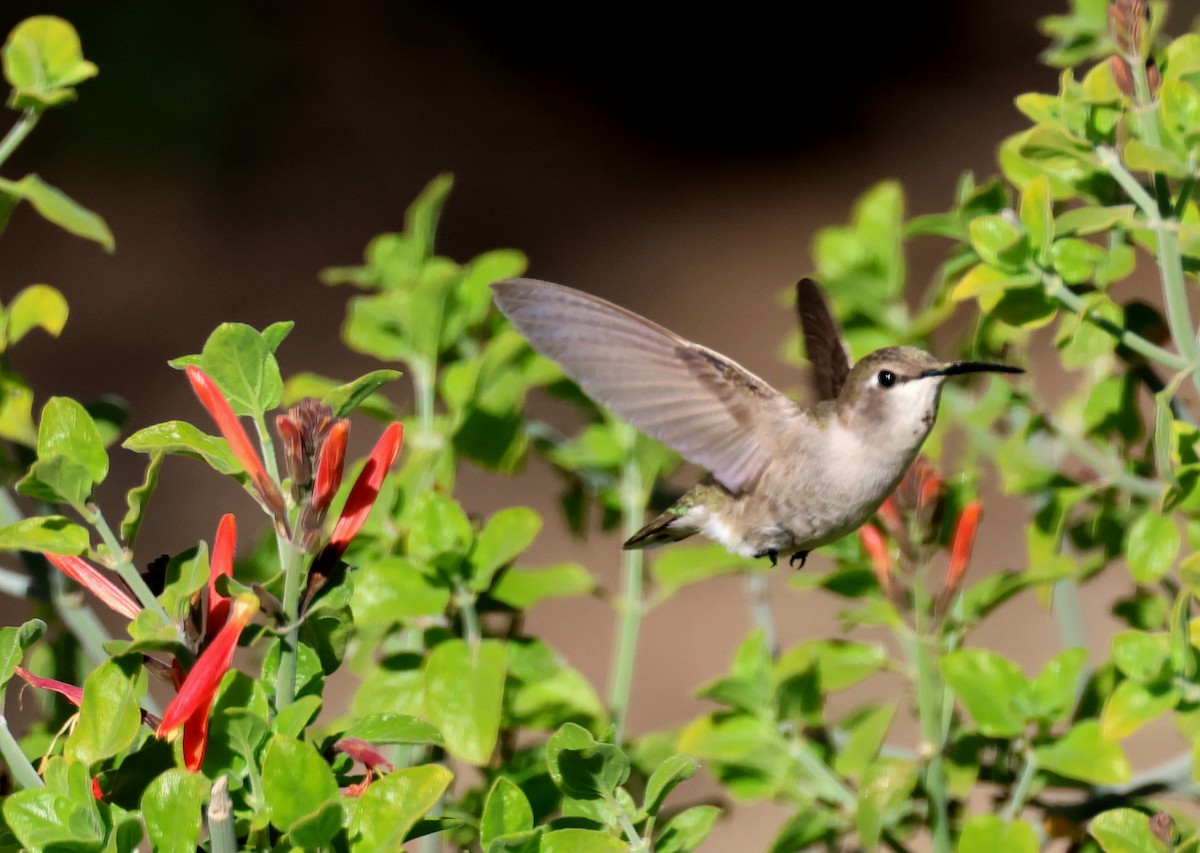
{"points": [[886, 379]]}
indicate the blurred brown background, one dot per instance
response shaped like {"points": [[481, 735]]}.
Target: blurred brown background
{"points": [[677, 163]]}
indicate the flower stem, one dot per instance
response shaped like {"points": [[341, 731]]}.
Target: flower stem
{"points": [[758, 594], [1016, 802], [22, 771], [829, 786], [17, 133], [123, 566], [285, 685], [220, 818], [631, 605], [930, 698]]}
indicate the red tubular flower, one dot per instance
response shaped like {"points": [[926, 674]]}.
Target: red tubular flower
{"points": [[890, 515], [877, 549], [85, 573], [219, 410], [96, 792], [960, 546], [364, 753], [329, 466], [364, 491], [929, 487], [196, 694], [221, 563], [70, 692]]}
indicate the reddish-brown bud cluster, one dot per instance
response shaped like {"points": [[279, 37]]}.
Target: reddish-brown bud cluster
{"points": [[1128, 23], [315, 449]]}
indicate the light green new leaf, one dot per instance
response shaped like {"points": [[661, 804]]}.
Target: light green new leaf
{"points": [[1084, 754], [111, 714], [438, 526], [687, 830], [297, 781], [391, 806], [242, 363], [171, 807], [998, 242], [666, 776], [1133, 705], [48, 534], [393, 589], [582, 841], [64, 812], [682, 566], [584, 768], [1037, 216], [866, 737], [138, 497], [344, 399], [1152, 546], [43, 61], [505, 810], [1053, 692], [463, 692], [990, 834], [36, 306], [1125, 831], [57, 207]]}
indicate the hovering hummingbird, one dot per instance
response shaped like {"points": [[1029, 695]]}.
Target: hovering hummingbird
{"points": [[785, 478]]}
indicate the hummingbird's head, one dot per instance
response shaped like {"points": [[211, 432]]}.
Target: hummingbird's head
{"points": [[896, 389]]}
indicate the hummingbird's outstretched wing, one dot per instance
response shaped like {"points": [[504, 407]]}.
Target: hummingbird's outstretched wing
{"points": [[822, 341], [708, 408]]}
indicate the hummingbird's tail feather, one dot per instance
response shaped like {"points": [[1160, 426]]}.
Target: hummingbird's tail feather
{"points": [[668, 527]]}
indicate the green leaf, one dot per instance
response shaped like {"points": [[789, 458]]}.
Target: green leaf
{"points": [[171, 807], [983, 280], [883, 797], [840, 663], [1084, 754], [187, 573], [137, 498], [998, 242], [50, 534], [682, 566], [524, 588], [63, 813], [506, 534], [866, 738], [438, 526], [57, 207], [316, 831], [992, 688], [297, 781], [582, 767], [393, 589], [242, 362], [688, 829], [43, 61], [505, 810], [71, 455], [391, 806], [276, 333], [1081, 221], [1037, 216], [463, 692], [183, 439], [394, 728], [14, 642], [344, 399], [1125, 831], [582, 841], [36, 306], [1152, 547], [1053, 692], [111, 714], [1133, 705], [296, 717], [665, 777], [1140, 156], [990, 834]]}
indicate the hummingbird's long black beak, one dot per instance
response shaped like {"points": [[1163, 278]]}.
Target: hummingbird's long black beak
{"points": [[959, 367]]}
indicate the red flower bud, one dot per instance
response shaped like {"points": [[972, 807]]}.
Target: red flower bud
{"points": [[221, 563], [96, 792], [960, 546], [219, 410], [364, 753], [364, 491], [89, 576], [877, 549], [329, 466]]}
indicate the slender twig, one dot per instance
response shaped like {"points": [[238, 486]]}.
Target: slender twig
{"points": [[930, 696], [1016, 802], [830, 786], [123, 566], [1106, 467], [758, 595], [22, 771], [285, 685], [17, 133]]}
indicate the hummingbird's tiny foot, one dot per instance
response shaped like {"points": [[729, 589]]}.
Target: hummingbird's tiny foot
{"points": [[802, 556], [771, 554]]}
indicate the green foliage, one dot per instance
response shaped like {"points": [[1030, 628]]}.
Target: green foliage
{"points": [[394, 587]]}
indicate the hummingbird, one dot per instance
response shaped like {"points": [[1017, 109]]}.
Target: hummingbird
{"points": [[785, 478]]}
